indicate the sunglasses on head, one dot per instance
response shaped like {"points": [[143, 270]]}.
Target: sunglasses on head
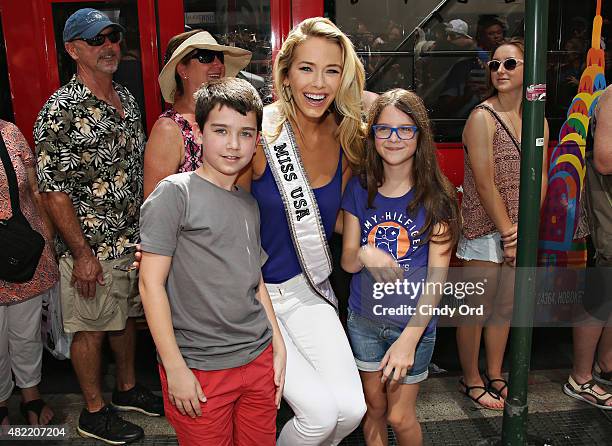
{"points": [[113, 37], [509, 64], [207, 56]]}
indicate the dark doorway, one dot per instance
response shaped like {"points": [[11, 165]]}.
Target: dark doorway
{"points": [[6, 101]]}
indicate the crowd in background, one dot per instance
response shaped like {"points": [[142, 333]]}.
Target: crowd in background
{"points": [[93, 168]]}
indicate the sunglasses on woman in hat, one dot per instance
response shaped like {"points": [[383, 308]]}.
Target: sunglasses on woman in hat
{"points": [[192, 58], [200, 47]]}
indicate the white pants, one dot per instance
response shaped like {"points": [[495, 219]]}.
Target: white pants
{"points": [[20, 345], [322, 383]]}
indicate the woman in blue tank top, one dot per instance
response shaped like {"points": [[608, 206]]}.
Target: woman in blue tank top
{"points": [[319, 82]]}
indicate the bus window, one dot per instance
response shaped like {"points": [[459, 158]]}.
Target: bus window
{"points": [[570, 28], [437, 49], [6, 102], [241, 23], [124, 12]]}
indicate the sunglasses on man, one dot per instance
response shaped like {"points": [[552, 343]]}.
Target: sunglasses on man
{"points": [[113, 37], [509, 64], [207, 56]]}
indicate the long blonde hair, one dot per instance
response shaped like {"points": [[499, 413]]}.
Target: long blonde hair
{"points": [[347, 104]]}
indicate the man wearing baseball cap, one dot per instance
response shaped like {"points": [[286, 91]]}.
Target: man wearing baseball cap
{"points": [[87, 23], [89, 142], [457, 31]]}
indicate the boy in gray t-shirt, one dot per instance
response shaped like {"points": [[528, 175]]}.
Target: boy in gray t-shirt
{"points": [[222, 357]]}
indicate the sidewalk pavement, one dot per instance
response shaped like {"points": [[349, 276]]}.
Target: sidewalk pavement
{"points": [[447, 417]]}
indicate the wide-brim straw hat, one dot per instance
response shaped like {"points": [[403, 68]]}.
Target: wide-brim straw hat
{"points": [[235, 59]]}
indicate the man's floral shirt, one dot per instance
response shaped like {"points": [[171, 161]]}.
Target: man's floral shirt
{"points": [[87, 150]]}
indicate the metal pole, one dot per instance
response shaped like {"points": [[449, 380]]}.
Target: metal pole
{"points": [[514, 428]]}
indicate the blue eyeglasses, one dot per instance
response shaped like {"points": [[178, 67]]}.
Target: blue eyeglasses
{"points": [[404, 132]]}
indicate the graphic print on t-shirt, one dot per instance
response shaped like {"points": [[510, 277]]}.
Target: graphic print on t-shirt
{"points": [[386, 224], [392, 232]]}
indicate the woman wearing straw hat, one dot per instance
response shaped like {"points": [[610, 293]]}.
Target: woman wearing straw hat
{"points": [[192, 58]]}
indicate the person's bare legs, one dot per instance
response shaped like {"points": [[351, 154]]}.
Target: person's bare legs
{"points": [[46, 414], [498, 327], [470, 332], [496, 338], [604, 351], [585, 344], [123, 345], [401, 414], [375, 419], [468, 346], [86, 355]]}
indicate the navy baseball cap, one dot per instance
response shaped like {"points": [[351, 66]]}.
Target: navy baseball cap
{"points": [[87, 23]]}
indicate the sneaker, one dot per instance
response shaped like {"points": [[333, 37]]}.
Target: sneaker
{"points": [[140, 399], [107, 426]]}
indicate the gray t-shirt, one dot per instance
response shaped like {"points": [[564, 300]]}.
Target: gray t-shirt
{"points": [[212, 235]]}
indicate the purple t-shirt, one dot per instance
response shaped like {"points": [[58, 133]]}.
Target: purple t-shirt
{"points": [[388, 226]]}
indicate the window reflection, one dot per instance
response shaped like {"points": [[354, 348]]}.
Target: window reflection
{"points": [[438, 49], [442, 51], [241, 23], [570, 26], [6, 101]]}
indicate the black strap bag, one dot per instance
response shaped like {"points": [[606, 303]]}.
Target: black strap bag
{"points": [[20, 246]]}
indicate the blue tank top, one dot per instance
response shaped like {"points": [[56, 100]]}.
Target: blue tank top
{"points": [[283, 263]]}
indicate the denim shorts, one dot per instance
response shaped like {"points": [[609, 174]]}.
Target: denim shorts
{"points": [[370, 340], [487, 248]]}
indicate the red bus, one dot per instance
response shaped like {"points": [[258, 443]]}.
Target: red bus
{"points": [[403, 43]]}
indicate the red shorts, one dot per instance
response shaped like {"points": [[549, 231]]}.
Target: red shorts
{"points": [[239, 408]]}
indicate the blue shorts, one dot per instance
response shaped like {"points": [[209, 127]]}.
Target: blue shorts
{"points": [[370, 340]]}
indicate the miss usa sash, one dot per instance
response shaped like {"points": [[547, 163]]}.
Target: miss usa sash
{"points": [[300, 205]]}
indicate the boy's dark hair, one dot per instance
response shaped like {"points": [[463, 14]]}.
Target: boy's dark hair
{"points": [[231, 92]]}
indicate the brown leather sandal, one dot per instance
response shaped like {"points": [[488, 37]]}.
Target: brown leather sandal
{"points": [[581, 391]]}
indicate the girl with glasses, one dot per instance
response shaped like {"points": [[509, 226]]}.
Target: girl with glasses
{"points": [[192, 58], [401, 218], [489, 208]]}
